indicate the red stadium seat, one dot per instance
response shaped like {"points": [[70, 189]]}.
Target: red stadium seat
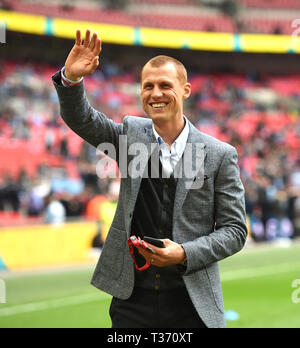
{"points": [[272, 4]]}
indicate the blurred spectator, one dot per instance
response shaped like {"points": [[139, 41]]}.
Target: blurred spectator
{"points": [[295, 212], [97, 241], [93, 210], [55, 213], [9, 195], [49, 140], [5, 5], [115, 4], [73, 205], [36, 199], [64, 151], [257, 227]]}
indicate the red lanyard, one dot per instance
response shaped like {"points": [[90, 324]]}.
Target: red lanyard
{"points": [[134, 242]]}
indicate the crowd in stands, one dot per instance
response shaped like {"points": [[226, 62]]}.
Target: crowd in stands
{"points": [[46, 168], [243, 16]]}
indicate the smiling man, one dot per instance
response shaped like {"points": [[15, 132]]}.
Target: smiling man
{"points": [[199, 226]]}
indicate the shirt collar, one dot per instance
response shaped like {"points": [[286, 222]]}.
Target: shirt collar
{"points": [[180, 142]]}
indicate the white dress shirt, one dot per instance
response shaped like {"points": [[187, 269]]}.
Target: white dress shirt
{"points": [[169, 157]]}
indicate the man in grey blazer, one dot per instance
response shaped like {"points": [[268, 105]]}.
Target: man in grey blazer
{"points": [[199, 214]]}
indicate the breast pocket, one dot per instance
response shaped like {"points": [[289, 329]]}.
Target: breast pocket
{"points": [[112, 256]]}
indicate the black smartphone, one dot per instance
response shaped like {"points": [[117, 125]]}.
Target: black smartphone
{"points": [[156, 242]]}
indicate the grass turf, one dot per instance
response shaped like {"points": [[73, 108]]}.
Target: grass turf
{"points": [[257, 285]]}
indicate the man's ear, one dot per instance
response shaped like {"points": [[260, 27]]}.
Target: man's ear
{"points": [[187, 91]]}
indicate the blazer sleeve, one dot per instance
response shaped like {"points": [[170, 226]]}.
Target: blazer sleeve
{"points": [[231, 232], [90, 124]]}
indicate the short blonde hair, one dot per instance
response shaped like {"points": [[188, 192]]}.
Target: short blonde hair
{"points": [[160, 61]]}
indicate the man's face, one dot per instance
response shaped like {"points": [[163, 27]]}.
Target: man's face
{"points": [[163, 93]]}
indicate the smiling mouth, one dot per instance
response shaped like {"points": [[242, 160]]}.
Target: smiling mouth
{"points": [[158, 106]]}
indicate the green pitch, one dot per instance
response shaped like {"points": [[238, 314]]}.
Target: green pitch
{"points": [[257, 287]]}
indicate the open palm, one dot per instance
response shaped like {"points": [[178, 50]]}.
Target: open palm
{"points": [[84, 57]]}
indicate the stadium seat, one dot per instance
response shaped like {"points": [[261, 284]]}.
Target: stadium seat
{"points": [[272, 4]]}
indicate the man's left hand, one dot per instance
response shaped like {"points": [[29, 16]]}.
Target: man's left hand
{"points": [[172, 254]]}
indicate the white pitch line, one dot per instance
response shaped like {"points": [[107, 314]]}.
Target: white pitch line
{"points": [[87, 298], [51, 304], [259, 272]]}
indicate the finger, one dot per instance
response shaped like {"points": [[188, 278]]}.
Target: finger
{"points": [[146, 254], [87, 38], [93, 41], [167, 242], [78, 37], [158, 251], [98, 48], [95, 64]]}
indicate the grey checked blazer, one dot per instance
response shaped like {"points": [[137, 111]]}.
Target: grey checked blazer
{"points": [[210, 221]]}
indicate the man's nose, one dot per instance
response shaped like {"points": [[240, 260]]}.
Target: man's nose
{"points": [[156, 92]]}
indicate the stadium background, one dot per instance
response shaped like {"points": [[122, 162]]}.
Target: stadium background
{"points": [[243, 63]]}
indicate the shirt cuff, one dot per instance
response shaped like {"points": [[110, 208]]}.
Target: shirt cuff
{"points": [[67, 82]]}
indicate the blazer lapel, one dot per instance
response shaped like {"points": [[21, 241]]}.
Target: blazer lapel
{"points": [[147, 140], [190, 171]]}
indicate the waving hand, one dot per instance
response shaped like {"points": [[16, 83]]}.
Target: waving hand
{"points": [[84, 57]]}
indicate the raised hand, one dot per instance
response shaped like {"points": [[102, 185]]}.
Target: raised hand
{"points": [[83, 59]]}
